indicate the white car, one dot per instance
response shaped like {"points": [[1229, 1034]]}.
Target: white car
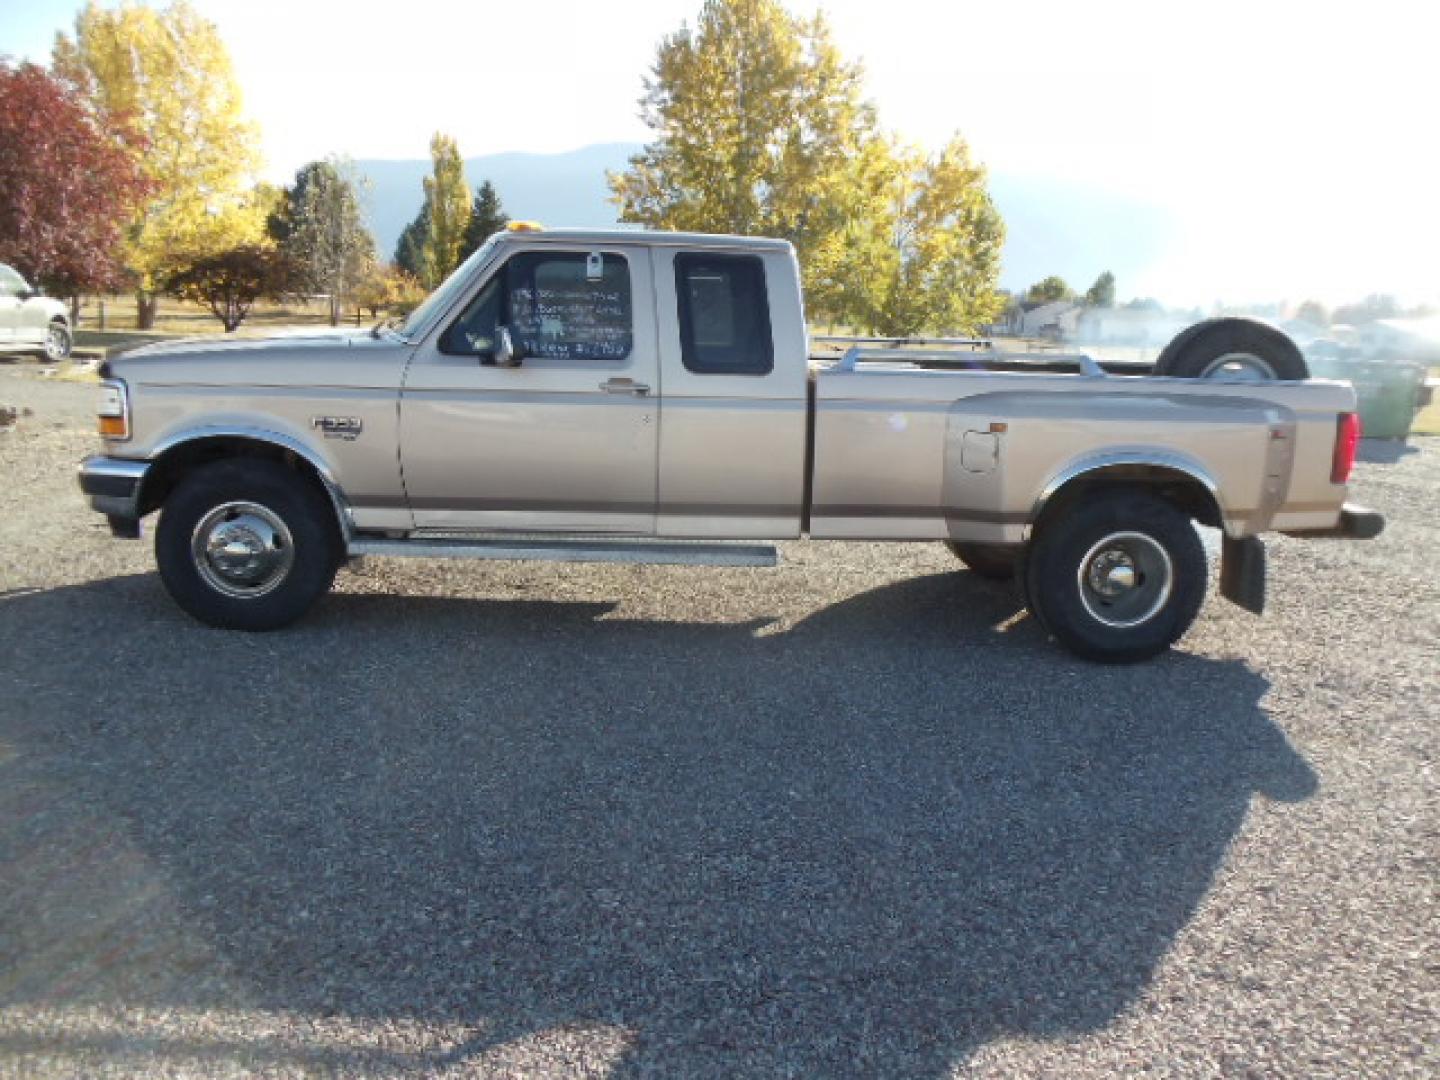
{"points": [[30, 321]]}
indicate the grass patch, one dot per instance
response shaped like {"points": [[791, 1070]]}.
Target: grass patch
{"points": [[1427, 421], [77, 373]]}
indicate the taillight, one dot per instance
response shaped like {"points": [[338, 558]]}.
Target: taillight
{"points": [[1347, 444]]}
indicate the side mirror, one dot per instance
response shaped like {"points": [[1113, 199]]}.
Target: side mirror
{"points": [[507, 353]]}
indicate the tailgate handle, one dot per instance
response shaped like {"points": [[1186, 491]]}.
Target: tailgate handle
{"points": [[625, 386]]}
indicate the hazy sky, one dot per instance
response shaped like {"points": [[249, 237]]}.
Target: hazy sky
{"points": [[1293, 143]]}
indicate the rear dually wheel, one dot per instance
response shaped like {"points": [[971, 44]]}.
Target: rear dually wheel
{"points": [[1117, 576]]}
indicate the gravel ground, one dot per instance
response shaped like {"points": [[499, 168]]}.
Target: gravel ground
{"points": [[847, 817]]}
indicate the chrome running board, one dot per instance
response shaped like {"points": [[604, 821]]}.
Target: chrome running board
{"points": [[531, 549]]}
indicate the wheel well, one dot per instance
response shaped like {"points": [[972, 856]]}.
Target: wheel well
{"points": [[176, 463], [1188, 494]]}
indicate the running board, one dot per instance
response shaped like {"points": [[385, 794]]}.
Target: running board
{"points": [[525, 549]]}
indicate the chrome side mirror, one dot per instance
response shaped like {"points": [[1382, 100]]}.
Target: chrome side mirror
{"points": [[506, 353]]}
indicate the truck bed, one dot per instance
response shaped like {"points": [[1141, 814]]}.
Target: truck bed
{"points": [[910, 450]]}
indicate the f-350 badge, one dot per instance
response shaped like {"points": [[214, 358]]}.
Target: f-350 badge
{"points": [[337, 427]]}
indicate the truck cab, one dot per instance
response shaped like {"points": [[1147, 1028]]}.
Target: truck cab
{"points": [[647, 389]]}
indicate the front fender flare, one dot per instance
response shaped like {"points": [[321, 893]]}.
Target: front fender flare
{"points": [[280, 440]]}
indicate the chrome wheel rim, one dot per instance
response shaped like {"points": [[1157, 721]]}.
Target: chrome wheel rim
{"points": [[56, 342], [1125, 579], [242, 549], [1239, 367]]}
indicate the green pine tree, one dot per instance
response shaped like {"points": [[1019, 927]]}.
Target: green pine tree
{"points": [[487, 217], [319, 225], [410, 250]]}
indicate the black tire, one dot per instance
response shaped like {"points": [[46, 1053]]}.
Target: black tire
{"points": [[1091, 547], [286, 521], [58, 340], [1022, 585], [1165, 362], [993, 561], [1260, 352]]}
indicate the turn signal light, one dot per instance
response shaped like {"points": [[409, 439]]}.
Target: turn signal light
{"points": [[1347, 445], [113, 410]]}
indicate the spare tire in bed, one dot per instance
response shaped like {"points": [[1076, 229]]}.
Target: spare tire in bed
{"points": [[1232, 348]]}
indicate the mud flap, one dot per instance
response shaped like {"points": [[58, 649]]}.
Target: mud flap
{"points": [[124, 528], [1242, 572]]}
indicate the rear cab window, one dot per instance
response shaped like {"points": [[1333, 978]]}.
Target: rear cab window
{"points": [[724, 314]]}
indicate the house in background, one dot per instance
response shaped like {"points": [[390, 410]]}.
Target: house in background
{"points": [[1057, 319]]}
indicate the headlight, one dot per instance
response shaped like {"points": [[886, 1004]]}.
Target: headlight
{"points": [[114, 410]]}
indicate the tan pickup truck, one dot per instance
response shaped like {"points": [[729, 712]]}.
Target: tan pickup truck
{"points": [[652, 397]]}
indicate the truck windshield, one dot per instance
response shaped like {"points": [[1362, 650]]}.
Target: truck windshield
{"points": [[442, 297]]}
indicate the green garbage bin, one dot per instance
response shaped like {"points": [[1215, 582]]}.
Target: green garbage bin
{"points": [[1388, 391]]}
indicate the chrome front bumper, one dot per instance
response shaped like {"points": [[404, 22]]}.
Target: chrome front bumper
{"points": [[113, 487]]}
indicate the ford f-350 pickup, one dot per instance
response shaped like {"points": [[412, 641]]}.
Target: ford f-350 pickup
{"points": [[652, 397]]}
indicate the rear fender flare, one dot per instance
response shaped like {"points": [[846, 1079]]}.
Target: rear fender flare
{"points": [[1138, 466]]}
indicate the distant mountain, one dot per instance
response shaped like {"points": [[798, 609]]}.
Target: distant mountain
{"points": [[1054, 226]]}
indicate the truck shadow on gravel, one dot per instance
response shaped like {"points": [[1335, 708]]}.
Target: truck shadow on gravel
{"points": [[1383, 451], [868, 844]]}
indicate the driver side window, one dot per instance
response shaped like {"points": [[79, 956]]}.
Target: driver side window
{"points": [[560, 305], [473, 334]]}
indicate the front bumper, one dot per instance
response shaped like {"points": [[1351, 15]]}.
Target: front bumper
{"points": [[113, 488], [1356, 523]]}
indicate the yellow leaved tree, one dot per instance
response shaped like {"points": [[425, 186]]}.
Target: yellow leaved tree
{"points": [[447, 195], [760, 126], [937, 248], [164, 78]]}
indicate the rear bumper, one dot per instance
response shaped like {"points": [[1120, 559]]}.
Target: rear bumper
{"points": [[1356, 523], [113, 485]]}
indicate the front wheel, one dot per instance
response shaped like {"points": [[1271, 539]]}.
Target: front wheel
{"points": [[58, 341], [1118, 577], [246, 545]]}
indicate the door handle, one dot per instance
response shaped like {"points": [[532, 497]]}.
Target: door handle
{"points": [[625, 386]]}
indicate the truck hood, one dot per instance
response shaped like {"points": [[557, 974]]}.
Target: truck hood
{"points": [[307, 357]]}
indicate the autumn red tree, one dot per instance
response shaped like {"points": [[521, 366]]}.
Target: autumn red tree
{"points": [[68, 187]]}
